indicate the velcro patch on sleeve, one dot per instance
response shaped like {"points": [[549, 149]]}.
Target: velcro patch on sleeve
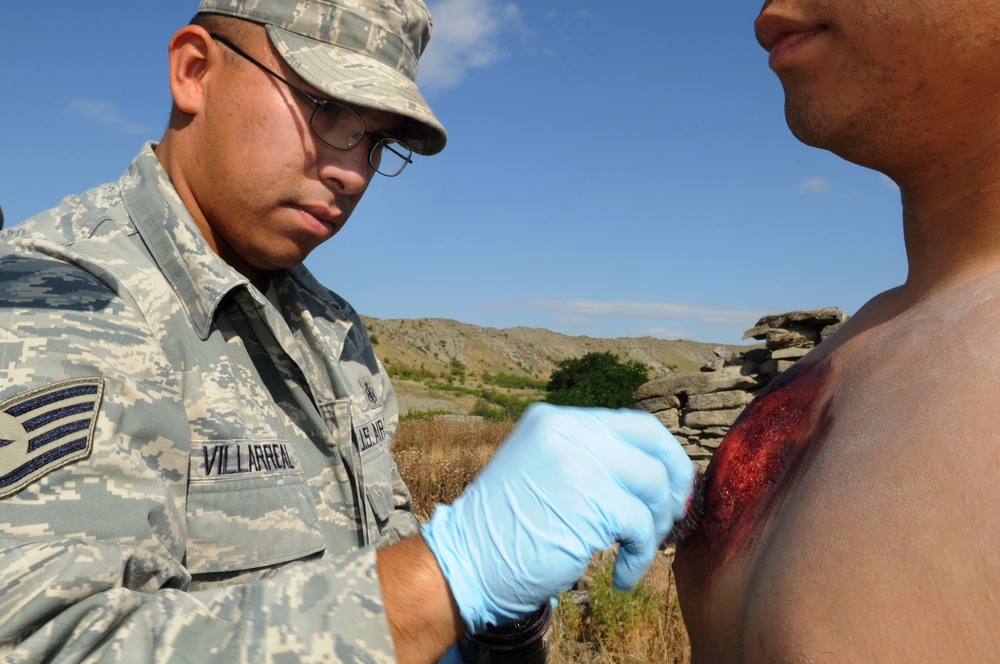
{"points": [[45, 429]]}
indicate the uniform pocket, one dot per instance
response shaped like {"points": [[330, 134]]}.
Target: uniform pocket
{"points": [[372, 439], [378, 467], [248, 506]]}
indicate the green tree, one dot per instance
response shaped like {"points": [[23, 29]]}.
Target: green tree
{"points": [[596, 379]]}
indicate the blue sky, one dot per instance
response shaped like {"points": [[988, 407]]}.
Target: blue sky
{"points": [[613, 169]]}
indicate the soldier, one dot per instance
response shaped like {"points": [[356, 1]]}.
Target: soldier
{"points": [[851, 514], [195, 435]]}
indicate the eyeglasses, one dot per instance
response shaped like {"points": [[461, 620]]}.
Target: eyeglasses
{"points": [[340, 126]]}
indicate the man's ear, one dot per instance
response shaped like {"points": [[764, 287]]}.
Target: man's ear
{"points": [[193, 54]]}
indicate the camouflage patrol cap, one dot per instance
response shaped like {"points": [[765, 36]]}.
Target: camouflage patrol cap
{"points": [[363, 52]]}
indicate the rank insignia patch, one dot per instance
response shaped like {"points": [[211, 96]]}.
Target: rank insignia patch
{"points": [[46, 429]]}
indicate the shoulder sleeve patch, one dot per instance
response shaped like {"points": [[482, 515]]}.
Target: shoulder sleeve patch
{"points": [[45, 429]]}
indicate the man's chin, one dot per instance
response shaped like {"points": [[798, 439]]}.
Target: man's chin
{"points": [[830, 132]]}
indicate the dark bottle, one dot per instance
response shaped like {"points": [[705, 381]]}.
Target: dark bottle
{"points": [[522, 641]]}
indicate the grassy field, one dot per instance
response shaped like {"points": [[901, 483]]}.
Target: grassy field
{"points": [[594, 623]]}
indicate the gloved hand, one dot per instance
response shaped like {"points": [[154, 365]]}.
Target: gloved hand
{"points": [[567, 483], [453, 656]]}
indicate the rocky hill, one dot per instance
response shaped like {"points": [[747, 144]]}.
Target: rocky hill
{"points": [[420, 353]]}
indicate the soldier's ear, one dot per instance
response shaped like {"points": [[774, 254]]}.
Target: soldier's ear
{"points": [[194, 56]]}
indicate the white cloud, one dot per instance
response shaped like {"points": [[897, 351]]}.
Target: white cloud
{"points": [[666, 333], [627, 318], [887, 183], [104, 114], [585, 312], [816, 185], [466, 35]]}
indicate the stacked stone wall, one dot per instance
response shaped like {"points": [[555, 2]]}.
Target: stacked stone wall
{"points": [[699, 408]]}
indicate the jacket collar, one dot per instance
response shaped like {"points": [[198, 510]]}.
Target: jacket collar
{"points": [[197, 274]]}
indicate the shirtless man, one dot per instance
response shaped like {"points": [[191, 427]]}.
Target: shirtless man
{"points": [[852, 513]]}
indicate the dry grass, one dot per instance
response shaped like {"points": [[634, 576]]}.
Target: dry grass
{"points": [[438, 458], [638, 627]]}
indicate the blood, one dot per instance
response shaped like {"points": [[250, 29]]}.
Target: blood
{"points": [[759, 463]]}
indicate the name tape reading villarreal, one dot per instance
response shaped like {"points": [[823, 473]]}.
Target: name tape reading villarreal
{"points": [[45, 429], [228, 459]]}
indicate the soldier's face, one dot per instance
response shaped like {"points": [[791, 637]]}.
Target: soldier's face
{"points": [[859, 75], [271, 192]]}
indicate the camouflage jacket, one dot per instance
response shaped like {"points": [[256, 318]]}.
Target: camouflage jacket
{"points": [[186, 472]]}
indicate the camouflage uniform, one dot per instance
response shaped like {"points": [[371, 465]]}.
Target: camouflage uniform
{"points": [[187, 472]]}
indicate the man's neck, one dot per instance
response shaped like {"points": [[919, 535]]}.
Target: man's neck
{"points": [[951, 221]]}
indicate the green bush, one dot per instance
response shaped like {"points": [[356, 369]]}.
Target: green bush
{"points": [[495, 406], [512, 382], [423, 415], [401, 372], [456, 371], [614, 613], [436, 385], [596, 380]]}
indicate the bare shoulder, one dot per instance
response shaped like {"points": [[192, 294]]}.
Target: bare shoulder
{"points": [[891, 536], [929, 359], [876, 539], [937, 359]]}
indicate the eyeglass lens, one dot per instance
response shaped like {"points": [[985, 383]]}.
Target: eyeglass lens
{"points": [[389, 157], [341, 127], [338, 125]]}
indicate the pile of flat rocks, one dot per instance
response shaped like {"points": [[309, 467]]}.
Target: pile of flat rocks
{"points": [[699, 408]]}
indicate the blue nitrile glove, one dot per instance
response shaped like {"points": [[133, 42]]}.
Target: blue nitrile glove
{"points": [[567, 483], [453, 656]]}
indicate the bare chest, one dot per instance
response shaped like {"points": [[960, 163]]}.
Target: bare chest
{"points": [[838, 514]]}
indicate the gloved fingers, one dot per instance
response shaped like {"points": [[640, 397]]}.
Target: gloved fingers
{"points": [[647, 460], [638, 545], [640, 477], [647, 433]]}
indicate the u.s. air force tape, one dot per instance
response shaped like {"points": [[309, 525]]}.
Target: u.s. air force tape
{"points": [[46, 429]]}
